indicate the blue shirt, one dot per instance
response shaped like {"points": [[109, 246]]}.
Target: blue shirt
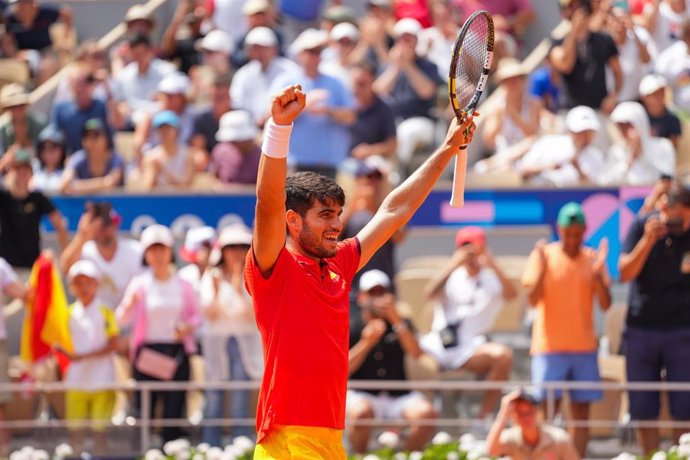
{"points": [[541, 86], [79, 163], [70, 119], [304, 10], [317, 140]]}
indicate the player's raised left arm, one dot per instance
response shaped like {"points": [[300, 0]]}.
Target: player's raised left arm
{"points": [[401, 204]]}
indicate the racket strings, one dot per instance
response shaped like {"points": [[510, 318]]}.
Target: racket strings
{"points": [[471, 60]]}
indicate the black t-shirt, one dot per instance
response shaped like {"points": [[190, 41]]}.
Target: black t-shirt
{"points": [[20, 220], [186, 53], [586, 84], [405, 101], [660, 295], [36, 37], [374, 124], [666, 125], [385, 361], [206, 125]]}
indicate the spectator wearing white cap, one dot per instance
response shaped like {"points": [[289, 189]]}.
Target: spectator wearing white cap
{"points": [[135, 85], [336, 60], [98, 239], [231, 342], [663, 122], [216, 48], [235, 159], [380, 343], [322, 137], [195, 251], [638, 158], [257, 13], [168, 164], [163, 312], [250, 88], [94, 334], [172, 96], [409, 85], [567, 159]]}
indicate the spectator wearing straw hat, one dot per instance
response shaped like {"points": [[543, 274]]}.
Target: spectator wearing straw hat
{"points": [[662, 122], [330, 110], [257, 13], [23, 125], [562, 280], [235, 159], [251, 84], [408, 85], [528, 438], [138, 22], [231, 342]]}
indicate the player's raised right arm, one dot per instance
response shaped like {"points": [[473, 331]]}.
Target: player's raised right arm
{"points": [[269, 228]]}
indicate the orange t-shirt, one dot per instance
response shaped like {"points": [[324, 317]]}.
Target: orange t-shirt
{"points": [[302, 310], [564, 321]]}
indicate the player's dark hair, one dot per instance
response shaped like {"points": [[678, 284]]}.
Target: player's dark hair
{"points": [[303, 189]]}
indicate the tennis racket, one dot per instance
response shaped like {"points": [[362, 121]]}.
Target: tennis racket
{"points": [[469, 71]]}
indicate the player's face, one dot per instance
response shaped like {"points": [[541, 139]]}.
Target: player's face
{"points": [[321, 227]]}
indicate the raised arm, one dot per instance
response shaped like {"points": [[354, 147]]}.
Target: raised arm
{"points": [[401, 204], [269, 228]]}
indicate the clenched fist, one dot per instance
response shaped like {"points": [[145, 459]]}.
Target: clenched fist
{"points": [[288, 104]]}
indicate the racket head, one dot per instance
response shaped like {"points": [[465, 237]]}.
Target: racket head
{"points": [[471, 63]]}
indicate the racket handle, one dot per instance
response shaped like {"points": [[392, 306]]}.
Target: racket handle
{"points": [[457, 197]]}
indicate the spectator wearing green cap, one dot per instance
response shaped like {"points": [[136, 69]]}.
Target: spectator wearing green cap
{"points": [[21, 211], [655, 259], [562, 279], [169, 164], [95, 168]]}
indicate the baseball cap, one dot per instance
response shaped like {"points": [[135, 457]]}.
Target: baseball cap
{"points": [[651, 84], [309, 39], [218, 41], [85, 268], [372, 278], [51, 133], [261, 36], [407, 26], [582, 118], [94, 124], [344, 30], [470, 235], [252, 7], [232, 235], [174, 83], [166, 117], [570, 214], [194, 240], [156, 234]]}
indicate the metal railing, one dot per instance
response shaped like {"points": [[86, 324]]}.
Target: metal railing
{"points": [[145, 423]]}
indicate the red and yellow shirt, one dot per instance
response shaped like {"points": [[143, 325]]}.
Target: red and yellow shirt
{"points": [[302, 310]]}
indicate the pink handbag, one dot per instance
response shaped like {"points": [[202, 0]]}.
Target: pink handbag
{"points": [[156, 364]]}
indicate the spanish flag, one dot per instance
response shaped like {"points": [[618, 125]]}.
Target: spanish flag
{"points": [[47, 314]]}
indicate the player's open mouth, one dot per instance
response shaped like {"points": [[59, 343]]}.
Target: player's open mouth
{"points": [[331, 238]]}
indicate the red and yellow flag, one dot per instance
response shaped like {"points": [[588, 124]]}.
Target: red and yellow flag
{"points": [[47, 314]]}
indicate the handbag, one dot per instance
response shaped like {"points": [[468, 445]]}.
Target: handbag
{"points": [[449, 335], [156, 364]]}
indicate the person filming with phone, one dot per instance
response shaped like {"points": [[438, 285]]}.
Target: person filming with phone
{"points": [[655, 259]]}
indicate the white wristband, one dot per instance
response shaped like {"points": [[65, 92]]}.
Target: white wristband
{"points": [[276, 139]]}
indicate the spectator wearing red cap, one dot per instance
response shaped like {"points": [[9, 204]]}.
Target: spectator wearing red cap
{"points": [[562, 280], [471, 291]]}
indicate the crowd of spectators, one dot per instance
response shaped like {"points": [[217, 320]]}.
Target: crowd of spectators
{"points": [[606, 108]]}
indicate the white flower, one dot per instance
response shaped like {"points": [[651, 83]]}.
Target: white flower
{"points": [[389, 439], [40, 454], [228, 456], [171, 448], [17, 455], [244, 444], [416, 455], [467, 439], [214, 453], [203, 447], [182, 454], [625, 456], [64, 450], [684, 450], [233, 451], [659, 456], [198, 456], [453, 456], [684, 439], [372, 457], [154, 454], [441, 438], [400, 456], [27, 450], [475, 454]]}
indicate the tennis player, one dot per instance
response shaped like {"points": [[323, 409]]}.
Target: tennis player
{"points": [[300, 282]]}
